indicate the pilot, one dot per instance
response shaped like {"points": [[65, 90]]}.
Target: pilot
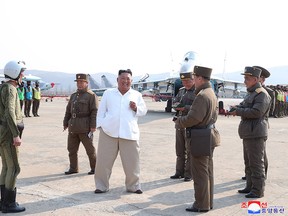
{"points": [[36, 99], [182, 103], [80, 119]]}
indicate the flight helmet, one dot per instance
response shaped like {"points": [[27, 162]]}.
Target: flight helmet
{"points": [[13, 69]]}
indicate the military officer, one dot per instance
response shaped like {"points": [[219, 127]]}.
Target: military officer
{"points": [[202, 114], [80, 119], [253, 129], [263, 76], [182, 103]]}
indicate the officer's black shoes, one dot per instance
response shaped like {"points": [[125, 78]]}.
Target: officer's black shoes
{"points": [[138, 191], [243, 178], [252, 195], [193, 209], [176, 176], [245, 190], [186, 179], [100, 191], [91, 172], [9, 205], [69, 172]]}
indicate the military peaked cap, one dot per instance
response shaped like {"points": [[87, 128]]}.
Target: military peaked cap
{"points": [[186, 76], [83, 77], [202, 71], [252, 71], [264, 72]]}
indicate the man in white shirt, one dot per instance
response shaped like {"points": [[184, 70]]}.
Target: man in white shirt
{"points": [[117, 122]]}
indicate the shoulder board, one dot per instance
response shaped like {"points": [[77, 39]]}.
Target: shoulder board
{"points": [[261, 89], [90, 92], [182, 88], [200, 92]]}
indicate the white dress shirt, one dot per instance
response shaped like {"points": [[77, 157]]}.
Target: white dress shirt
{"points": [[115, 116]]}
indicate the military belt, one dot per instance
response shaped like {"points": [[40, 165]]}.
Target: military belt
{"points": [[211, 126], [80, 115]]}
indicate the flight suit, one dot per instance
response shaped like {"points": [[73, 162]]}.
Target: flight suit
{"points": [[253, 129], [183, 161], [10, 116], [80, 116]]}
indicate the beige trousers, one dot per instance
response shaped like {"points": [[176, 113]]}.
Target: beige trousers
{"points": [[108, 148]]}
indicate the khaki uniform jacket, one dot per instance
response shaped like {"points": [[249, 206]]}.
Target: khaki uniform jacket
{"points": [[203, 112], [253, 111], [10, 113], [81, 112]]}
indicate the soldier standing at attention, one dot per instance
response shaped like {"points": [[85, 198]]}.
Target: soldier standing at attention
{"points": [[253, 129], [36, 99], [28, 98], [11, 126], [202, 115], [181, 104], [80, 119], [21, 92]]}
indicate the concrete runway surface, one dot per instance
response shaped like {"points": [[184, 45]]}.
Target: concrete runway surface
{"points": [[44, 189]]}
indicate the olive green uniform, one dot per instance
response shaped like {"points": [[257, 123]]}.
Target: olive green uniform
{"points": [[183, 161], [253, 129], [80, 116], [202, 113], [10, 116]]}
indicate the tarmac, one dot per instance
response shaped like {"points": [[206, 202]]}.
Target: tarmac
{"points": [[44, 189]]}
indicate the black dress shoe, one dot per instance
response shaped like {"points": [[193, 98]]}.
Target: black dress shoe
{"points": [[186, 179], [193, 209], [176, 176], [138, 191], [99, 191], [245, 190], [243, 178], [91, 172], [69, 172], [252, 195]]}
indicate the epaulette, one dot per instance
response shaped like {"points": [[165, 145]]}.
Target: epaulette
{"points": [[90, 92], [182, 88], [261, 89], [200, 92]]}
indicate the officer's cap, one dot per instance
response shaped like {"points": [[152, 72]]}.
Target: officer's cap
{"points": [[202, 71], [264, 72], [186, 76], [82, 77], [252, 71]]}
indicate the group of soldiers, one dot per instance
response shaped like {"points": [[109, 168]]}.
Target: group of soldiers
{"points": [[279, 106], [29, 96]]}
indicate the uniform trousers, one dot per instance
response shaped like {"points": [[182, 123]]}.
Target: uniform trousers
{"points": [[108, 148], [27, 107], [35, 106], [254, 164], [74, 140], [183, 161], [10, 166], [265, 159], [202, 171]]}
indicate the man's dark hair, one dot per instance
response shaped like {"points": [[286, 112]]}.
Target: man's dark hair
{"points": [[125, 71]]}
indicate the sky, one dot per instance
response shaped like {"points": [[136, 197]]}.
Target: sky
{"points": [[146, 36]]}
